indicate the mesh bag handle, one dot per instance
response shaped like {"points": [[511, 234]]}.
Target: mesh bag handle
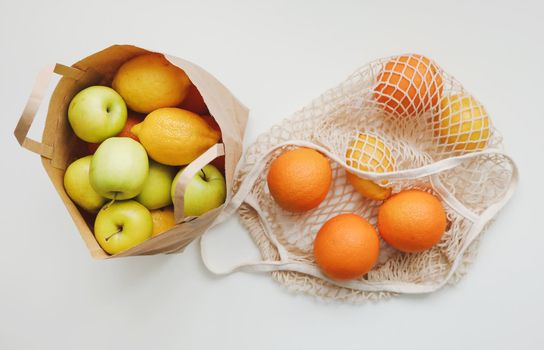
{"points": [[285, 264], [400, 122], [407, 174]]}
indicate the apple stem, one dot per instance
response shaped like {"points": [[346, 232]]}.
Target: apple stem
{"points": [[203, 173], [110, 202], [113, 234]]}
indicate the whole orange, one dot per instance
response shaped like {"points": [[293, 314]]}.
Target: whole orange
{"points": [[408, 85], [346, 247], [299, 179], [412, 221]]}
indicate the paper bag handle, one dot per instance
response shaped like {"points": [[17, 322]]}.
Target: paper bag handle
{"points": [[188, 173], [33, 103]]}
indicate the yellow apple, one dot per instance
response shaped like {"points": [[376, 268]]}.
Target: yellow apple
{"points": [[122, 225], [78, 186]]}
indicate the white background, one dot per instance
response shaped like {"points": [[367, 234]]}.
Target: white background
{"points": [[276, 57]]}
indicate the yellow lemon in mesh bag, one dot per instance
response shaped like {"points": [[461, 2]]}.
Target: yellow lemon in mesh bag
{"points": [[174, 136], [462, 125], [369, 153]]}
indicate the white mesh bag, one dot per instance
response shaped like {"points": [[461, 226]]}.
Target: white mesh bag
{"points": [[420, 129]]}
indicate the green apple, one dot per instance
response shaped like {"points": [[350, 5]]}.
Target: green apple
{"points": [[78, 187], [206, 190], [156, 191], [119, 168], [122, 225], [96, 113]]}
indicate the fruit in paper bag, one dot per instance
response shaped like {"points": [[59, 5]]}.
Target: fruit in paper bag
{"points": [[163, 220], [92, 147], [218, 162], [132, 119], [462, 125], [122, 225], [119, 168], [299, 179], [412, 221], [408, 85], [346, 247], [194, 102], [156, 190], [78, 187], [207, 190], [174, 136], [96, 113], [212, 123], [149, 82], [369, 153]]}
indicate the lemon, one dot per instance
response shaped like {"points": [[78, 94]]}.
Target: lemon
{"points": [[174, 136], [463, 124], [163, 220], [150, 81], [368, 153]]}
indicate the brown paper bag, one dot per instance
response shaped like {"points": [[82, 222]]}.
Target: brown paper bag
{"points": [[59, 145]]}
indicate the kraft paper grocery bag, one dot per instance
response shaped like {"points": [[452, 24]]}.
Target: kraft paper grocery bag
{"points": [[59, 145]]}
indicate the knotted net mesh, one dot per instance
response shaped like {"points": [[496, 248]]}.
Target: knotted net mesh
{"points": [[391, 115]]}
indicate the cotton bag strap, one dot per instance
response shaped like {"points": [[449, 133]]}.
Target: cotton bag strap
{"points": [[243, 195]]}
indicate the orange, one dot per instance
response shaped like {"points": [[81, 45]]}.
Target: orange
{"points": [[412, 221], [132, 119], [163, 220], [346, 247], [299, 179], [149, 82], [408, 85], [194, 102]]}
